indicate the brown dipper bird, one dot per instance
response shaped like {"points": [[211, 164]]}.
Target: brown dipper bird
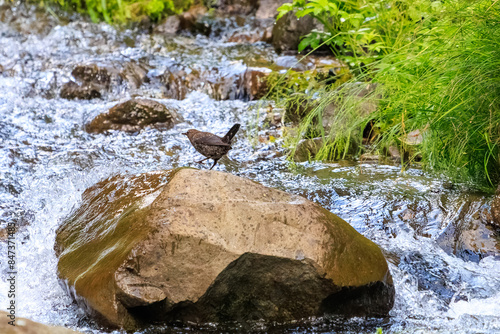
{"points": [[210, 145]]}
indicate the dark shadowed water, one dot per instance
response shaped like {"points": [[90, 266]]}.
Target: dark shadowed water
{"points": [[47, 160]]}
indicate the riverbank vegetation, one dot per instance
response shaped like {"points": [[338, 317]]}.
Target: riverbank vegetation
{"points": [[433, 68], [121, 11]]}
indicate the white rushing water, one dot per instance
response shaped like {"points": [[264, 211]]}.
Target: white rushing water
{"points": [[47, 160]]}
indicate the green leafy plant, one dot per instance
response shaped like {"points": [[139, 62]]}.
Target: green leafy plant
{"points": [[121, 11], [344, 26], [439, 79]]}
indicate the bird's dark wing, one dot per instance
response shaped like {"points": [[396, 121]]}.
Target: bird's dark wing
{"points": [[211, 140]]}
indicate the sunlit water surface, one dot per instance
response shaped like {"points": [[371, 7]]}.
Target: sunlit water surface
{"points": [[47, 160]]}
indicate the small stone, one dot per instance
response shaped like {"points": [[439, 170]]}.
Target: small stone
{"points": [[394, 154], [369, 157], [170, 26], [134, 115], [87, 91], [135, 74], [407, 214], [307, 149], [92, 74], [295, 63], [255, 83], [288, 31]]}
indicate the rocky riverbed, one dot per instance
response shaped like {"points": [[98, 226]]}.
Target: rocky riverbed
{"points": [[57, 76]]}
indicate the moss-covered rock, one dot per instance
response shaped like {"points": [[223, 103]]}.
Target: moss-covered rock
{"points": [[191, 245]]}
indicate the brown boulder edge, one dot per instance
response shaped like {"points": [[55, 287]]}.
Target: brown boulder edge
{"points": [[26, 326], [205, 246]]}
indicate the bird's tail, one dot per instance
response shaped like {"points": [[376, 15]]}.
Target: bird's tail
{"points": [[230, 134]]}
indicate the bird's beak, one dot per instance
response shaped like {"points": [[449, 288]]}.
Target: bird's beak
{"points": [[185, 133]]}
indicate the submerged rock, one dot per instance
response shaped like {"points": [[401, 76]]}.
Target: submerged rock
{"points": [[87, 91], [92, 82], [254, 84], [26, 326], [134, 115], [135, 74], [471, 241], [205, 246], [92, 74]]}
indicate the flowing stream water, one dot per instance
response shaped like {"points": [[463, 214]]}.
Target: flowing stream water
{"points": [[47, 160]]}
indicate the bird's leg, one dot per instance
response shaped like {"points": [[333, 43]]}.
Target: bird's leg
{"points": [[199, 162], [215, 161]]}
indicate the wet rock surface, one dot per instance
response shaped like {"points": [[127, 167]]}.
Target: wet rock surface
{"points": [[244, 83], [239, 7], [495, 208], [203, 252], [472, 243], [307, 149], [26, 326], [191, 20], [268, 9], [237, 293], [258, 35], [134, 115], [85, 91], [288, 30], [135, 74], [92, 82]]}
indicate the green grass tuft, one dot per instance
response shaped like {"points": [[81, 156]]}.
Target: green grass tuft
{"points": [[121, 11], [439, 75]]}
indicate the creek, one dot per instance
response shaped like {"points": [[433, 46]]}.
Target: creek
{"points": [[425, 227]]}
